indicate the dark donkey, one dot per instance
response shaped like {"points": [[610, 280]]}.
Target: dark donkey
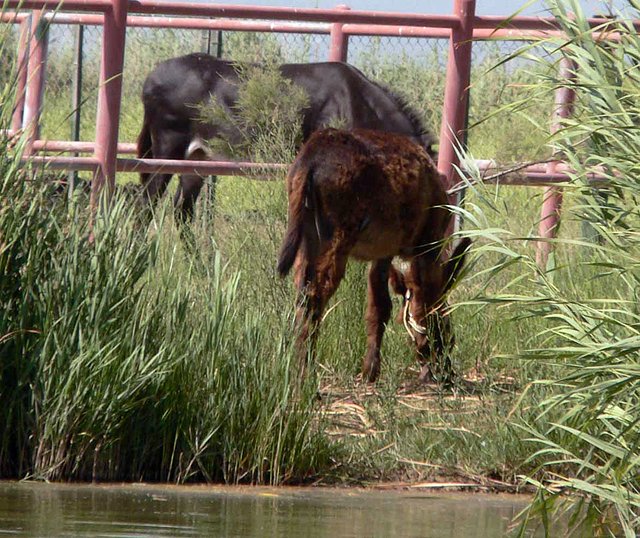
{"points": [[371, 195], [173, 92]]}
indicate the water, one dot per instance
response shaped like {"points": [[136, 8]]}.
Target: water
{"points": [[36, 509]]}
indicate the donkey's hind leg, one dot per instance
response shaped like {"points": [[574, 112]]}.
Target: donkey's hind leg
{"points": [[166, 145], [378, 313], [317, 279]]}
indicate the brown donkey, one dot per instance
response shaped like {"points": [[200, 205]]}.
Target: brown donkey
{"points": [[371, 195]]}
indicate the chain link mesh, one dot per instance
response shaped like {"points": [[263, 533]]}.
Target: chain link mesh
{"points": [[415, 68], [8, 54], [412, 67], [506, 123]]}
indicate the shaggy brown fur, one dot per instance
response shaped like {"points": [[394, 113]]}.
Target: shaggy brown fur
{"points": [[371, 195]]}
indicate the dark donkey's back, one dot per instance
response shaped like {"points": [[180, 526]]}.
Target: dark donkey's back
{"points": [[175, 89]]}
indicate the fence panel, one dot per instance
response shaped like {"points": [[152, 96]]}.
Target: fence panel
{"points": [[498, 83], [414, 68]]}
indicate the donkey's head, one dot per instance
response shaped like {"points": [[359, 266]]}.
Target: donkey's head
{"points": [[424, 309]]}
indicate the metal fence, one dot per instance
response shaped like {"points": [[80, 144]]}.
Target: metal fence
{"points": [[85, 91], [70, 87], [412, 66], [145, 47]]}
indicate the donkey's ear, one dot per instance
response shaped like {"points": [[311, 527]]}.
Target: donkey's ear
{"points": [[456, 262], [397, 281]]}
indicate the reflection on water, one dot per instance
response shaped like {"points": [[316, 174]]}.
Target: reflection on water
{"points": [[34, 509]]}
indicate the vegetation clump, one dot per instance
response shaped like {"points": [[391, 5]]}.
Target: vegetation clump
{"points": [[584, 440], [266, 120]]}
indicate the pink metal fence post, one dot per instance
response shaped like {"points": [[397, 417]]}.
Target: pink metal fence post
{"points": [[456, 92], [35, 79], [338, 50], [21, 78], [109, 97], [552, 198]]}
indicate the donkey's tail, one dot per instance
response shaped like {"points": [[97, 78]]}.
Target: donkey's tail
{"points": [[145, 146], [299, 181]]}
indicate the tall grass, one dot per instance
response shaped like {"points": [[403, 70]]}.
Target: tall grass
{"points": [[121, 363], [123, 359], [584, 441]]}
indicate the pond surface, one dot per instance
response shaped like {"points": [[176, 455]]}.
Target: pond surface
{"points": [[37, 509]]}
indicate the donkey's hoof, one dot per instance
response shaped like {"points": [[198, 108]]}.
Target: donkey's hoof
{"points": [[425, 376], [370, 372]]}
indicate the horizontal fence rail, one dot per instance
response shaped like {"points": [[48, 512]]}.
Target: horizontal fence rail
{"points": [[535, 30], [372, 30]]}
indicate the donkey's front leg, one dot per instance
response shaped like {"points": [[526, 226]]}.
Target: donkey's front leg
{"points": [[186, 196], [437, 366], [378, 313], [427, 319]]}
